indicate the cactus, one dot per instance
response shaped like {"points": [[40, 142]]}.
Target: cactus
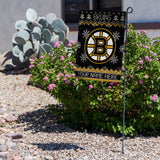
{"points": [[37, 35]]}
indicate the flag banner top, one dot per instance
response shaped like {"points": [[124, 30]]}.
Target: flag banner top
{"points": [[100, 45]]}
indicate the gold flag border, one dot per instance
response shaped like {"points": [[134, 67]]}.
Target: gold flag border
{"points": [[98, 70]]}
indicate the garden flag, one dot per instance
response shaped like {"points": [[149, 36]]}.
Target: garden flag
{"points": [[100, 45]]}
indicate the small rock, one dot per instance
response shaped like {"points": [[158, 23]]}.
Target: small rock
{"points": [[9, 134], [2, 148], [17, 158], [2, 141], [2, 110], [3, 157], [48, 157], [35, 154], [15, 147], [17, 136], [10, 144], [3, 130], [2, 121], [10, 118], [28, 158]]}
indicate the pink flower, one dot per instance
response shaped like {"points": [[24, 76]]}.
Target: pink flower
{"points": [[141, 82], [57, 44], [73, 42], [100, 96], [51, 86], [146, 47], [150, 106], [64, 67], [69, 45], [46, 78], [71, 63], [42, 63], [140, 58], [32, 65], [60, 74], [149, 60], [30, 76], [90, 86], [140, 62], [151, 52], [157, 59], [67, 82], [53, 58], [143, 31], [112, 83], [146, 76], [62, 58], [100, 99], [122, 69], [41, 57], [117, 84], [131, 76], [146, 57], [155, 54], [109, 87], [154, 98]]}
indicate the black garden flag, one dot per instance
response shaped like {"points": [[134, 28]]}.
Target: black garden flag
{"points": [[100, 45]]}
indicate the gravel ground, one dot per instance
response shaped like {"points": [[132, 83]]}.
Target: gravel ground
{"points": [[44, 139]]}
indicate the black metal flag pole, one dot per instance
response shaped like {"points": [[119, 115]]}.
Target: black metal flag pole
{"points": [[129, 10]]}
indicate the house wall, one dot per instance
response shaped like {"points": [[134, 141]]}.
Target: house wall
{"points": [[13, 10], [145, 11]]}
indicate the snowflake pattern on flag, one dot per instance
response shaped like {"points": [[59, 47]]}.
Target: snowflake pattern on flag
{"points": [[85, 33], [104, 68], [83, 57], [121, 48], [90, 66], [114, 60], [78, 45], [116, 35]]}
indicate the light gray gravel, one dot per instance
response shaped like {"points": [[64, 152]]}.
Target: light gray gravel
{"points": [[44, 139]]}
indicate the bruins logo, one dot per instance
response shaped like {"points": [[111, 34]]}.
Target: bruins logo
{"points": [[100, 46]]}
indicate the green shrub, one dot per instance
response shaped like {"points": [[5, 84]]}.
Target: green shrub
{"points": [[98, 105]]}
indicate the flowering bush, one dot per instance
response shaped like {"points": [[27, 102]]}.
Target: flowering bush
{"points": [[98, 105]]}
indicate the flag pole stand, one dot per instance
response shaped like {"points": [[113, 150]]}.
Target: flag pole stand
{"points": [[129, 10]]}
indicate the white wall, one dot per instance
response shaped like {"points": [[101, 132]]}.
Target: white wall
{"points": [[13, 10], [145, 11]]}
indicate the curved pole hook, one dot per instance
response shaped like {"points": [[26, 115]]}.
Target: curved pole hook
{"points": [[129, 10]]}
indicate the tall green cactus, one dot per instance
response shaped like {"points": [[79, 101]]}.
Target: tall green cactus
{"points": [[37, 35]]}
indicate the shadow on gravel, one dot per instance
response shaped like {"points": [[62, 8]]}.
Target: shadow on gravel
{"points": [[42, 120], [57, 146]]}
